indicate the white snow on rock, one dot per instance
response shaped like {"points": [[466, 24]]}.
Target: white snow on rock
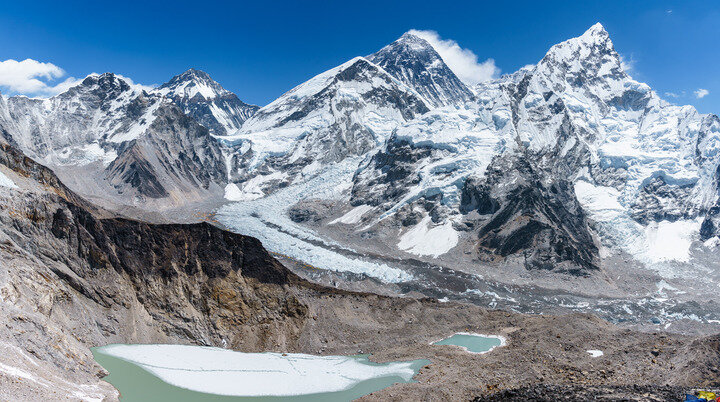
{"points": [[232, 192], [426, 239], [6, 182], [653, 243], [595, 352], [671, 241], [353, 216], [225, 372], [251, 189]]}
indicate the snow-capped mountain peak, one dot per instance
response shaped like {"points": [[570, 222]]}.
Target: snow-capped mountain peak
{"points": [[191, 84], [589, 56], [413, 61], [205, 100], [415, 42], [107, 82]]}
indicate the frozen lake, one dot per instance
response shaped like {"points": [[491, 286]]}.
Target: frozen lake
{"points": [[195, 373]]}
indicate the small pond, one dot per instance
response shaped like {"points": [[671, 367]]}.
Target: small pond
{"points": [[473, 343], [179, 373]]}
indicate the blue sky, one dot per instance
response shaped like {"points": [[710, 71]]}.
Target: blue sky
{"points": [[259, 49]]}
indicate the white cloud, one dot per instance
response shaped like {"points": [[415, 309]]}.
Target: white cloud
{"points": [[33, 78], [672, 95], [627, 63], [463, 62], [701, 93]]}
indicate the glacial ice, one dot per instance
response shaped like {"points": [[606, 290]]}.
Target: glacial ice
{"points": [[428, 239], [266, 219]]}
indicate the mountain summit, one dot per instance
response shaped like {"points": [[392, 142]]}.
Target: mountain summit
{"points": [[414, 62], [205, 100], [193, 84]]}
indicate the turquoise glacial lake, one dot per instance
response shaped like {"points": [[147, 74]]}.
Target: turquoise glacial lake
{"points": [[473, 343]]}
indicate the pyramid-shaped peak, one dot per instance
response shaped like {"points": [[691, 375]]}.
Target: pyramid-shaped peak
{"points": [[411, 36], [597, 29], [596, 34], [193, 83], [193, 73], [592, 43], [413, 61], [411, 41], [106, 81]]}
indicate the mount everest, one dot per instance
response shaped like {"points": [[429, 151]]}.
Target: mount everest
{"points": [[559, 167]]}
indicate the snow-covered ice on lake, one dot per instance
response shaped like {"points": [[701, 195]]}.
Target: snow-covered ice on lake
{"points": [[226, 372]]}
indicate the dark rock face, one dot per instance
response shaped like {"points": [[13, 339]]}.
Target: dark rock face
{"points": [[414, 62], [388, 174], [542, 222], [710, 226], [475, 196], [175, 150], [167, 251], [134, 169], [660, 201]]}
